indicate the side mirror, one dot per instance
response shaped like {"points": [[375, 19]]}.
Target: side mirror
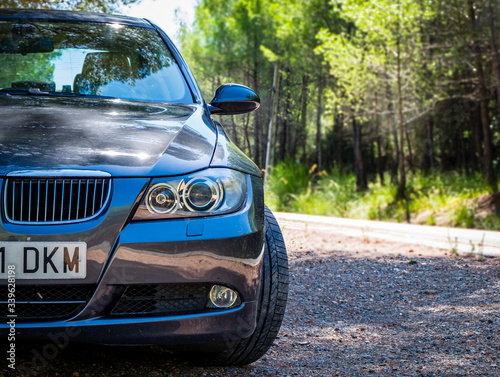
{"points": [[231, 99]]}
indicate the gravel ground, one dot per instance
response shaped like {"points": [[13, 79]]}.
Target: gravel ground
{"points": [[357, 307]]}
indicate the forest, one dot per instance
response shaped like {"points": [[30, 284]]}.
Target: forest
{"points": [[388, 91], [381, 109]]}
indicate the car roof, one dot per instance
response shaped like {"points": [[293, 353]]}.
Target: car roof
{"points": [[60, 15]]}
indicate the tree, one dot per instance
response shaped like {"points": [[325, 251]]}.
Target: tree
{"points": [[225, 44], [399, 78], [107, 6]]}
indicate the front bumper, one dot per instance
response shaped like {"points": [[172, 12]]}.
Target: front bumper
{"points": [[205, 331], [223, 250]]}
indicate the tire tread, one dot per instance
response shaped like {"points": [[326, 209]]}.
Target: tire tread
{"points": [[273, 301]]}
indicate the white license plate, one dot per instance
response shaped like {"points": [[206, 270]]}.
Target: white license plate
{"points": [[44, 260]]}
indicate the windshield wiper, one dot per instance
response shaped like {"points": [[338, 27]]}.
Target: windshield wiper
{"points": [[11, 91], [33, 92], [24, 92]]}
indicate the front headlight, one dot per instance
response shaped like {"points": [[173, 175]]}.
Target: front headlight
{"points": [[206, 193]]}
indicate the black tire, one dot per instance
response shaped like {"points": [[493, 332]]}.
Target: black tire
{"points": [[271, 307]]}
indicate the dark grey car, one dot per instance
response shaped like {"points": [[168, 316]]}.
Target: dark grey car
{"points": [[128, 216]]}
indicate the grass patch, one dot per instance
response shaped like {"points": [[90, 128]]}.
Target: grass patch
{"points": [[444, 199]]}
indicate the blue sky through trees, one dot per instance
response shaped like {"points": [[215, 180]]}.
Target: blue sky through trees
{"points": [[168, 14]]}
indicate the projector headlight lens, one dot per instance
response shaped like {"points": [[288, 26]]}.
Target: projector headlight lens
{"points": [[202, 194], [206, 193], [162, 198]]}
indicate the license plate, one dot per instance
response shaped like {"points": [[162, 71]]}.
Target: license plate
{"points": [[44, 260]]}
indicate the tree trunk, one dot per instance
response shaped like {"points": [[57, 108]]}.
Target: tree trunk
{"points": [[291, 124], [429, 144], [247, 136], [372, 167], [361, 183], [258, 132], [257, 129], [461, 143], [410, 153], [318, 122], [390, 110], [340, 125], [395, 160], [284, 133], [284, 130], [483, 105], [494, 51], [478, 146], [378, 138], [272, 121], [234, 131], [303, 117], [402, 169]]}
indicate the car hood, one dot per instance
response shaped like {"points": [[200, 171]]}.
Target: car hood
{"points": [[124, 138]]}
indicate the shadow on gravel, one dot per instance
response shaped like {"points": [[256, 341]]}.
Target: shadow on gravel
{"points": [[80, 360], [393, 316], [351, 312]]}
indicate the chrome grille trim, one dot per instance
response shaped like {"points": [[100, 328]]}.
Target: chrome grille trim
{"points": [[68, 199]]}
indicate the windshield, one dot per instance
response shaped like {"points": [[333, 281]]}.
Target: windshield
{"points": [[88, 59]]}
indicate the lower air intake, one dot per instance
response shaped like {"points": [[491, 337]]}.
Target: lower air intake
{"points": [[162, 299]]}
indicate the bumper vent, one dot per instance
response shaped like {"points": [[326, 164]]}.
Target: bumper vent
{"points": [[48, 303], [54, 200], [162, 300]]}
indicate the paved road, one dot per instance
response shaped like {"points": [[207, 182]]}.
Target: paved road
{"points": [[462, 240]]}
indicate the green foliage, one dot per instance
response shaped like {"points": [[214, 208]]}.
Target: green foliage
{"points": [[226, 37], [297, 188], [36, 67], [463, 216], [107, 6], [285, 182], [445, 199]]}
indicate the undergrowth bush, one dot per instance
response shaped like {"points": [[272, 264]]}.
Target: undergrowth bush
{"points": [[442, 199]]}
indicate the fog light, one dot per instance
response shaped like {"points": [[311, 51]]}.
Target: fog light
{"points": [[222, 297]]}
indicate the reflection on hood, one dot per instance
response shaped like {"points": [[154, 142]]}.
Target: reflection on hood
{"points": [[123, 138]]}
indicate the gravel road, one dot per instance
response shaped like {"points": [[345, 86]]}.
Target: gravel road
{"points": [[357, 307]]}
